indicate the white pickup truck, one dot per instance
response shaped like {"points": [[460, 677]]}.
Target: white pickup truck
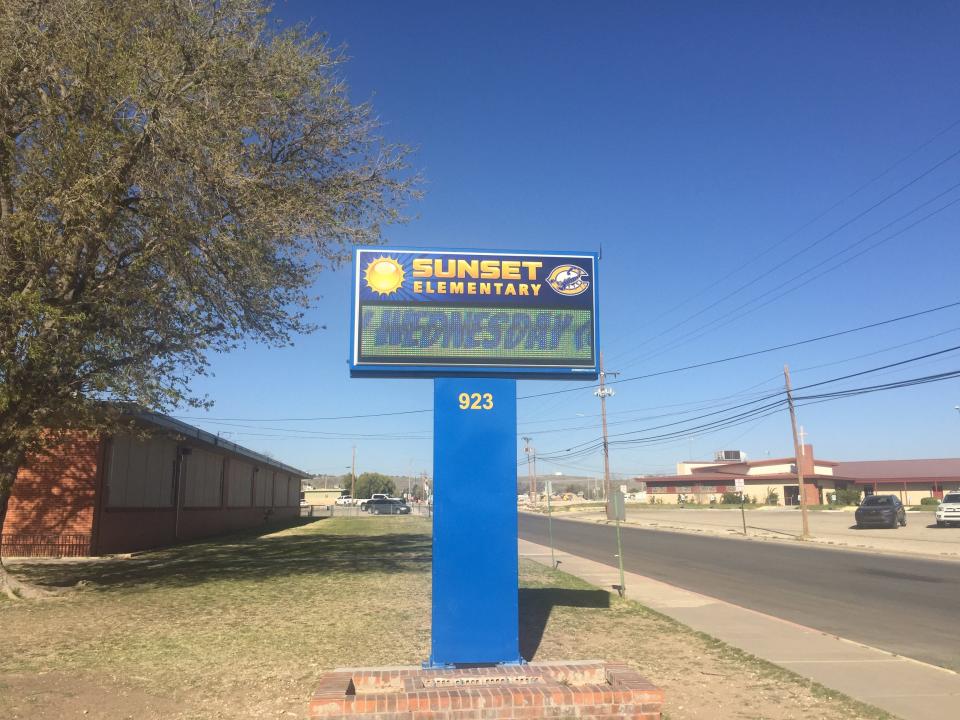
{"points": [[344, 500]]}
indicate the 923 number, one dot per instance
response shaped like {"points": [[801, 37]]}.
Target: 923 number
{"points": [[475, 401]]}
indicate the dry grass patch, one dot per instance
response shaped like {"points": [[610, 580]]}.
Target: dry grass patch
{"points": [[235, 628], [243, 626]]}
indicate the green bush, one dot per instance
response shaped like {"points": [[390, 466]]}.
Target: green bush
{"points": [[848, 496], [372, 482], [929, 501], [730, 498], [773, 497]]}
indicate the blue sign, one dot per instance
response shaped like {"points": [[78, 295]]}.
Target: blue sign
{"points": [[475, 614], [474, 321], [444, 312]]}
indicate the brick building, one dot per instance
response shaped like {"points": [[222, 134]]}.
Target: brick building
{"points": [[94, 494], [702, 481]]}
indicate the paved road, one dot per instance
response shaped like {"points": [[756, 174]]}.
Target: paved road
{"points": [[908, 606]]}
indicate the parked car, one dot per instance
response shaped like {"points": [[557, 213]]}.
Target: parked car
{"points": [[387, 506], [948, 511], [375, 496], [883, 510], [343, 500]]}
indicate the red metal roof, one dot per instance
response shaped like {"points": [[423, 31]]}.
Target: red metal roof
{"points": [[726, 479], [860, 472], [941, 481], [941, 468]]}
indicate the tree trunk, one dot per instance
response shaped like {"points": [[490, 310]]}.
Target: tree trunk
{"points": [[9, 585]]}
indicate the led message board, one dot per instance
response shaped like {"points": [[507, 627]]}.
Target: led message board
{"points": [[439, 312]]}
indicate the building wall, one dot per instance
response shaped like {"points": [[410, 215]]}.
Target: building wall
{"points": [[322, 496], [912, 494], [216, 494], [770, 469], [755, 487], [86, 496], [687, 468], [668, 493], [52, 507]]}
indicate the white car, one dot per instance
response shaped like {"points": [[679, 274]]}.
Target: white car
{"points": [[948, 512], [343, 500]]}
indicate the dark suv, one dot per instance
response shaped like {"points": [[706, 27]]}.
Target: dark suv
{"points": [[882, 510], [387, 506]]}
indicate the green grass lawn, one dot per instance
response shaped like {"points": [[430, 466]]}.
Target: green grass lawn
{"points": [[258, 617], [242, 627]]}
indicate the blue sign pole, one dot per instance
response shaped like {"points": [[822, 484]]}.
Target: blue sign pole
{"points": [[475, 614]]}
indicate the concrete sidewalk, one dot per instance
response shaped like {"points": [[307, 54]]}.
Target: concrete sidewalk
{"points": [[827, 528], [907, 688]]}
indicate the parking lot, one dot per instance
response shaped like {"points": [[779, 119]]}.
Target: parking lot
{"points": [[833, 527]]}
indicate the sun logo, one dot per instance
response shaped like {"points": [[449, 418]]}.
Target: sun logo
{"points": [[384, 275]]}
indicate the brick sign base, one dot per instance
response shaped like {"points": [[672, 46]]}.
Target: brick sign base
{"points": [[589, 689]]}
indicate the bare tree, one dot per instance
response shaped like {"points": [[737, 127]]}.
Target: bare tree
{"points": [[173, 176]]}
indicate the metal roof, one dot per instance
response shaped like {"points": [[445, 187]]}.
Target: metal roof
{"points": [[207, 438], [901, 469]]}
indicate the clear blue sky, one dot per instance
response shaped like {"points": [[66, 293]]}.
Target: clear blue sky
{"points": [[684, 139]]}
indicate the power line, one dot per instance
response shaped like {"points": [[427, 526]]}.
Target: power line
{"points": [[754, 353], [818, 217], [813, 244], [306, 419], [317, 433], [684, 368], [747, 417], [311, 438], [717, 402], [715, 324], [771, 396]]}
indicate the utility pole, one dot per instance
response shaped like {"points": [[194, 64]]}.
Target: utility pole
{"points": [[798, 452], [603, 392], [353, 474], [531, 453]]}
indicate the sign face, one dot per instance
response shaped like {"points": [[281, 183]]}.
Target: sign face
{"points": [[460, 312], [738, 484]]}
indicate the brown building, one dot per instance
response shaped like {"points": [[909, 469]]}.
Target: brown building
{"points": [[704, 481], [95, 494], [910, 480]]}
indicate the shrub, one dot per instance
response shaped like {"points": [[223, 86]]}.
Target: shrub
{"points": [[730, 498], [848, 496], [929, 501], [773, 497]]}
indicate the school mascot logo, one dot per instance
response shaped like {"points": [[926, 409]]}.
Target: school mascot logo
{"points": [[568, 280], [384, 275]]}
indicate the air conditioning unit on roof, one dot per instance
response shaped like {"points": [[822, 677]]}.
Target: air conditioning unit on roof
{"points": [[730, 456]]}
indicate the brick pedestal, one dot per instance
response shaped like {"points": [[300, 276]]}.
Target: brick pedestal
{"points": [[589, 689]]}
